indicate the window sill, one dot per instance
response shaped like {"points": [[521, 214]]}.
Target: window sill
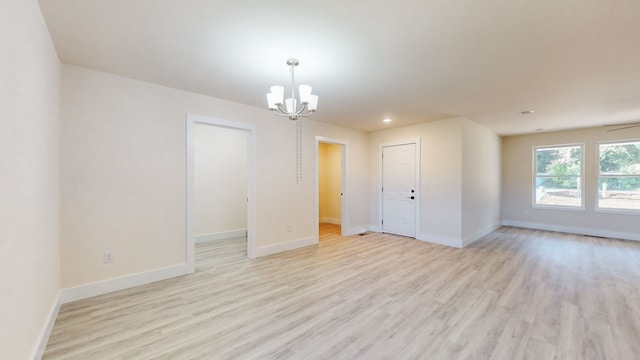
{"points": [[617, 211], [558, 207]]}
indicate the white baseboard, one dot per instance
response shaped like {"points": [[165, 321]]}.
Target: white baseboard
{"points": [[122, 282], [468, 240], [448, 241], [440, 240], [220, 235], [574, 230], [356, 230], [331, 220], [286, 246], [43, 339]]}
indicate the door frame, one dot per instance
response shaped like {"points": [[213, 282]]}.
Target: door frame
{"points": [[191, 121], [344, 201], [415, 141]]}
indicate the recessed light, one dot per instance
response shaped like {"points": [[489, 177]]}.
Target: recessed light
{"points": [[387, 120], [526, 112]]}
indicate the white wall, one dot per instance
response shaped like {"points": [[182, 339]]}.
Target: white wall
{"points": [[330, 182], [29, 180], [124, 166], [220, 181], [517, 180], [481, 181], [448, 150]]}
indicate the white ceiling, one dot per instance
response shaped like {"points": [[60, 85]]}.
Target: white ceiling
{"points": [[576, 63]]}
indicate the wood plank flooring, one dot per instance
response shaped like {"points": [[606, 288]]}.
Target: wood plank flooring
{"points": [[516, 294]]}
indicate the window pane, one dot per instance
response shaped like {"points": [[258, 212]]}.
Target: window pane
{"points": [[620, 158], [619, 192], [560, 161], [558, 191]]}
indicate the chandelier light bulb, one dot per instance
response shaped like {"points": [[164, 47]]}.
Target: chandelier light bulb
{"points": [[313, 103], [274, 98], [305, 93], [291, 106]]}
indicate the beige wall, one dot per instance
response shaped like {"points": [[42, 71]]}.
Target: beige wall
{"points": [[124, 167], [517, 188], [481, 181], [329, 182], [220, 180], [29, 180], [448, 199]]}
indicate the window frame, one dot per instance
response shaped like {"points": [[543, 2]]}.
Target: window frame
{"points": [[597, 207], [580, 177]]}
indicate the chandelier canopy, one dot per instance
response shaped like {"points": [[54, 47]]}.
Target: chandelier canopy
{"points": [[290, 107]]}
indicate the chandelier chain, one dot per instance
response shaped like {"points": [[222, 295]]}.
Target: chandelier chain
{"points": [[298, 151]]}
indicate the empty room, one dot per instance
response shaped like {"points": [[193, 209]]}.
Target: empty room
{"points": [[319, 180]]}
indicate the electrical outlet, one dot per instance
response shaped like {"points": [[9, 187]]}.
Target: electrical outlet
{"points": [[289, 227], [108, 257]]}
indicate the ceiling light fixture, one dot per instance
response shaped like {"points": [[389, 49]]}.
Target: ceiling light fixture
{"points": [[289, 107], [387, 120], [526, 112]]}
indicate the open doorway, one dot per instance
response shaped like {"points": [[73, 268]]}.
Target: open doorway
{"points": [[220, 184], [331, 213]]}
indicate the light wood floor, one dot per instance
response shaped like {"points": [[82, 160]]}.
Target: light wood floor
{"points": [[515, 294]]}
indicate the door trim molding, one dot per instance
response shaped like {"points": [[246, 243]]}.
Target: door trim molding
{"points": [[415, 141], [192, 120], [344, 205]]}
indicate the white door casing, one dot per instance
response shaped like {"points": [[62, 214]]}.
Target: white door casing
{"points": [[399, 190], [191, 121]]}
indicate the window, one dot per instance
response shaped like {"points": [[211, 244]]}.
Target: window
{"points": [[558, 176], [619, 175]]}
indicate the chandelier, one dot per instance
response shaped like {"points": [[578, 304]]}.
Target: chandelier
{"points": [[290, 107], [294, 111]]}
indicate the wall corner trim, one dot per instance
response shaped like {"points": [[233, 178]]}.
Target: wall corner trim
{"points": [[285, 246], [468, 240], [43, 338], [123, 282]]}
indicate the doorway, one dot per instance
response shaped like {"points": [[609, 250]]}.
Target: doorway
{"points": [[399, 190], [220, 184], [331, 198], [221, 173]]}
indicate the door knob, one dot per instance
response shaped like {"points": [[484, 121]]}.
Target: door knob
{"points": [[411, 197]]}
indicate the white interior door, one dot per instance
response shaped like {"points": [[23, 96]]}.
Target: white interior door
{"points": [[399, 189]]}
